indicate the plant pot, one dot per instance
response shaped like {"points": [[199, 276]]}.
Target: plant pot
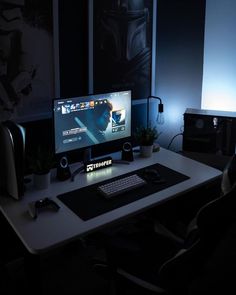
{"points": [[42, 181], [146, 151]]}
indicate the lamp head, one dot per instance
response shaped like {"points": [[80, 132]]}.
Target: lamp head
{"points": [[160, 108]]}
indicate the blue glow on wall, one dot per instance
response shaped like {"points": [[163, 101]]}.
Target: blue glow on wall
{"points": [[219, 72]]}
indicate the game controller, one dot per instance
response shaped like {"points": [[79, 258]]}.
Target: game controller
{"points": [[35, 207]]}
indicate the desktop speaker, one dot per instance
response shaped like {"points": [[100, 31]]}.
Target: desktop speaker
{"points": [[12, 158], [209, 131], [127, 152], [63, 169]]}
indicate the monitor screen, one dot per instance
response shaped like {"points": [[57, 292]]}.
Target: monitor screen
{"points": [[81, 122]]}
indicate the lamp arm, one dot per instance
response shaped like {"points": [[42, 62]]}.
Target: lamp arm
{"points": [[160, 108], [156, 97]]}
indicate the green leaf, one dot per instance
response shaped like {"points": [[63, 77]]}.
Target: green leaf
{"points": [[146, 136], [42, 161]]}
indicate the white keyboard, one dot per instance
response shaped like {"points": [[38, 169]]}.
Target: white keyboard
{"points": [[121, 185]]}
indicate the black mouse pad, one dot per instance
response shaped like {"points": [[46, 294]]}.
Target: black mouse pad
{"points": [[87, 203]]}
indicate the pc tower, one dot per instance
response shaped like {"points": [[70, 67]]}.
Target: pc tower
{"points": [[209, 131], [12, 158]]}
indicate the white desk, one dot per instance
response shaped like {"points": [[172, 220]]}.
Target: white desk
{"points": [[53, 229]]}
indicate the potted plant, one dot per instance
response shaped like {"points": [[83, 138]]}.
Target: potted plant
{"points": [[145, 137], [41, 163]]}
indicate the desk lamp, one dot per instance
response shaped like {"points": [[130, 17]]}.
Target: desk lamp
{"points": [[160, 115]]}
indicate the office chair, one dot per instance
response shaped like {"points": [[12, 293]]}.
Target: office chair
{"points": [[228, 181], [159, 261]]}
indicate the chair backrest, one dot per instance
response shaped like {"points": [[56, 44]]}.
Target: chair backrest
{"points": [[214, 217], [212, 221], [176, 273], [229, 175]]}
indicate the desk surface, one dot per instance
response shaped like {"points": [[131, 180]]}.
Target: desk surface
{"points": [[53, 229]]}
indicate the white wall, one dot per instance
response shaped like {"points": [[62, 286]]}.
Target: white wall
{"points": [[219, 67], [179, 60]]}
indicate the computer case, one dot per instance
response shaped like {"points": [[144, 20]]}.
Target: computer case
{"points": [[12, 159], [209, 131]]}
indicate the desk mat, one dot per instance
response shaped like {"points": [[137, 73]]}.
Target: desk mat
{"points": [[87, 203]]}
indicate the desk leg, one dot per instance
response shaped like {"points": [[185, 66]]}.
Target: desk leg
{"points": [[33, 274]]}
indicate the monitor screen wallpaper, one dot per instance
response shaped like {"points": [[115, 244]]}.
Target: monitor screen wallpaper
{"points": [[81, 122]]}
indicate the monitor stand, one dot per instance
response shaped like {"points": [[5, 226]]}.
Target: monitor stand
{"points": [[87, 158], [77, 171]]}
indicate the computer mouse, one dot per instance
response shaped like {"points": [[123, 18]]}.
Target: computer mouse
{"points": [[152, 174]]}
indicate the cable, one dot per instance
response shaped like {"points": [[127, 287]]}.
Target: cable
{"points": [[168, 147]]}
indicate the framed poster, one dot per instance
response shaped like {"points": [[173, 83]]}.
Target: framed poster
{"points": [[26, 59], [122, 46]]}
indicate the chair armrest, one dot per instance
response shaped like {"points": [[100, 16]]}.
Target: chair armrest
{"points": [[160, 229], [140, 282]]}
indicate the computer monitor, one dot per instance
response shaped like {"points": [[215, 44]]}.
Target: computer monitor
{"points": [[86, 121]]}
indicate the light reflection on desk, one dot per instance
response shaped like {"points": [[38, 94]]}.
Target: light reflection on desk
{"points": [[99, 174]]}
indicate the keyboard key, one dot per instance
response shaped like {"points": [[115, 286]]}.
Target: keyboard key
{"points": [[122, 185]]}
